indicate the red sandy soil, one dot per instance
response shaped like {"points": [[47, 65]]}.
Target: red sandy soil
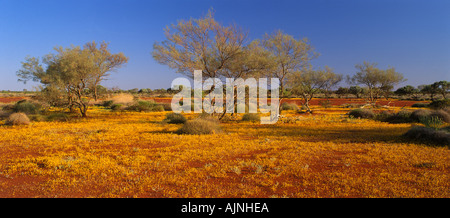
{"points": [[10, 99]]}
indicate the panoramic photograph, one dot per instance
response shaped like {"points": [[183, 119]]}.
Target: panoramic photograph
{"points": [[224, 99]]}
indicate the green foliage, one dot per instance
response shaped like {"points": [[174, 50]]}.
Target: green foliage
{"points": [[27, 107], [442, 115], [440, 104], [361, 113], [116, 107], [145, 106], [61, 117], [175, 118], [289, 106], [432, 122], [200, 126], [108, 103], [418, 115], [252, 117], [429, 135], [399, 117]]}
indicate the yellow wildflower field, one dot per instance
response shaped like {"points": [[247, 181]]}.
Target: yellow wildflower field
{"points": [[132, 154]]}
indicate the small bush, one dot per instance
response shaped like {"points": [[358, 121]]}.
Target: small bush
{"points": [[383, 116], [400, 117], [108, 103], [116, 107], [289, 106], [166, 106], [27, 107], [420, 133], [200, 127], [175, 118], [61, 117], [432, 122], [145, 106], [17, 119], [441, 114], [420, 105], [325, 104], [417, 115], [252, 117], [361, 113], [440, 104]]}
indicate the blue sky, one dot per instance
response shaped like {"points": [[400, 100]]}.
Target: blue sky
{"points": [[412, 36]]}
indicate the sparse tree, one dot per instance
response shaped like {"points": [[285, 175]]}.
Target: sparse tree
{"points": [[104, 62], [69, 76], [287, 56], [375, 79], [308, 82]]}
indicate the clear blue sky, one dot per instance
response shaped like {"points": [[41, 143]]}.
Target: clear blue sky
{"points": [[412, 36]]}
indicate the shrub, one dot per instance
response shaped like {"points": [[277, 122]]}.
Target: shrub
{"points": [[420, 105], [145, 106], [166, 106], [289, 106], [116, 107], [175, 118], [27, 107], [383, 116], [17, 119], [439, 137], [440, 104], [432, 122], [400, 117], [441, 114], [62, 117], [325, 104], [200, 127], [417, 115], [108, 103], [253, 117], [361, 113]]}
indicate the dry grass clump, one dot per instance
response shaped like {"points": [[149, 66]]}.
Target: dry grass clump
{"points": [[200, 126], [17, 119], [122, 98]]}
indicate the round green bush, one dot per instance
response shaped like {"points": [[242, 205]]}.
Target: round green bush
{"points": [[361, 113], [441, 114], [200, 127], [252, 117], [27, 107], [175, 118], [418, 115], [429, 135], [289, 106]]}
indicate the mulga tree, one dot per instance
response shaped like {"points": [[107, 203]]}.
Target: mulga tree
{"points": [[70, 74]]}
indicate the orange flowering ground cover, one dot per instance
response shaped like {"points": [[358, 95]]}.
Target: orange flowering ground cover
{"points": [[132, 154]]}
